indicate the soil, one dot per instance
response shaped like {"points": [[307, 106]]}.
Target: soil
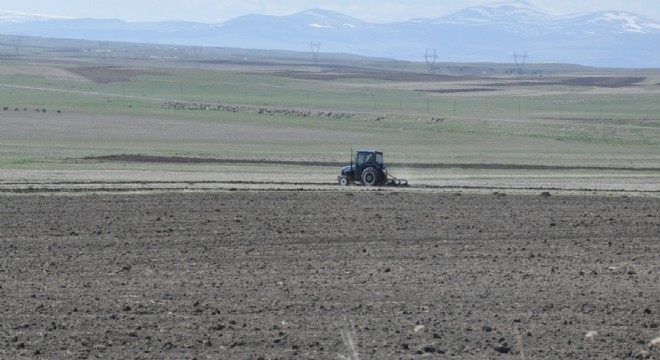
{"points": [[139, 158], [297, 274], [589, 81], [451, 91], [386, 76]]}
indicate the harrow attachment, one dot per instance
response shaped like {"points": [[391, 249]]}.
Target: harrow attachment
{"points": [[393, 181]]}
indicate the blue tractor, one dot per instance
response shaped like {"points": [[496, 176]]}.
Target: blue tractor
{"points": [[368, 170]]}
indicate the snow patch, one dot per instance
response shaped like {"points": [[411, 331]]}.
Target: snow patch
{"points": [[319, 26], [313, 13], [16, 16], [628, 22]]}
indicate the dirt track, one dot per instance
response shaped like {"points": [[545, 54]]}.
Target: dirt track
{"points": [[249, 275], [137, 158]]}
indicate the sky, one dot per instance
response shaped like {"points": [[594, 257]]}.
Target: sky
{"points": [[377, 11]]}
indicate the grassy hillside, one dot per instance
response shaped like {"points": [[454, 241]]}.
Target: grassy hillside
{"points": [[113, 100]]}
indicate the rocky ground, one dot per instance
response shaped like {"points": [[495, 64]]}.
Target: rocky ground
{"points": [[302, 274]]}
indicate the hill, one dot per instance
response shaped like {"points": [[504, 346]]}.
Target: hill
{"points": [[493, 33]]}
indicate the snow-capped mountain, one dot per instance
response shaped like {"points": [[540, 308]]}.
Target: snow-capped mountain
{"points": [[619, 22], [489, 33], [499, 14], [521, 17]]}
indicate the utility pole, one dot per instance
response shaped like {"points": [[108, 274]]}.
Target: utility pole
{"points": [[17, 44], [520, 60], [315, 47], [430, 59], [103, 45], [197, 52]]}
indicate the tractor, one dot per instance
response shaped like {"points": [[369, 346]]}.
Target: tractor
{"points": [[368, 170]]}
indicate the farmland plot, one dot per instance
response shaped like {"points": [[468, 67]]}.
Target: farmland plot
{"points": [[289, 274]]}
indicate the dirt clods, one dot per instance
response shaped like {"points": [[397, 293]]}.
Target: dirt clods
{"points": [[434, 275]]}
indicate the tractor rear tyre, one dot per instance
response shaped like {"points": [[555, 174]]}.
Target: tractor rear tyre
{"points": [[370, 177], [343, 180]]}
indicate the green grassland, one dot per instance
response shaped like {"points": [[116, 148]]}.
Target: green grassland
{"points": [[113, 103]]}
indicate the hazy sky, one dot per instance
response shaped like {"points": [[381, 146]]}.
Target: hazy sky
{"points": [[379, 11]]}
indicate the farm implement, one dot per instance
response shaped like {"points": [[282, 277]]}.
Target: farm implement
{"points": [[368, 169]]}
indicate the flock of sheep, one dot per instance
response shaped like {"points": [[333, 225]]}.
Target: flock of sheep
{"points": [[180, 105], [6, 108]]}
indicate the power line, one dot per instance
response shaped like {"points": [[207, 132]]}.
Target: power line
{"points": [[430, 59], [520, 60], [17, 44], [315, 47]]}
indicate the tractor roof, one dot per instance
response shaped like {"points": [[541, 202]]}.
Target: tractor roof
{"points": [[368, 151]]}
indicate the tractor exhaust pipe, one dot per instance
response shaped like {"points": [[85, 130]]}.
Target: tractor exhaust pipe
{"points": [[351, 158]]}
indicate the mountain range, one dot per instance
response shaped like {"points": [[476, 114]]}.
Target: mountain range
{"points": [[501, 32]]}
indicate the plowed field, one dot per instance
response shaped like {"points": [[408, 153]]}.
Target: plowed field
{"points": [[297, 274]]}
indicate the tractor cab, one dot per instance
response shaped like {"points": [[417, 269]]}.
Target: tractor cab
{"points": [[366, 158]]}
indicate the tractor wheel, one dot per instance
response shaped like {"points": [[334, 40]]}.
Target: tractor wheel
{"points": [[370, 177], [343, 180]]}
